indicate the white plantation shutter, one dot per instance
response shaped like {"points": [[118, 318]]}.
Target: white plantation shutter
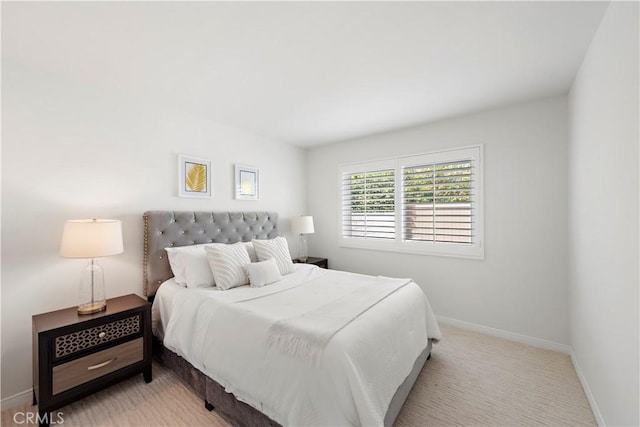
{"points": [[368, 203], [430, 203], [438, 203]]}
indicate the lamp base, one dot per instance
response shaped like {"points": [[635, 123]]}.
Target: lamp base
{"points": [[95, 307], [303, 256]]}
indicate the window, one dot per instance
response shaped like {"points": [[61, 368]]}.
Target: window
{"points": [[429, 203], [369, 203]]}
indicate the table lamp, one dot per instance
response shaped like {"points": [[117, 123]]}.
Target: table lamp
{"points": [[91, 238], [304, 226]]}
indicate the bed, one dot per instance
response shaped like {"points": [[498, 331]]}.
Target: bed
{"points": [[225, 344]]}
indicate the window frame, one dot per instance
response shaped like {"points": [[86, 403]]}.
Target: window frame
{"points": [[475, 250]]}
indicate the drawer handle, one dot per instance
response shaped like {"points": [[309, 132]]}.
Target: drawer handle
{"points": [[103, 364], [102, 334]]}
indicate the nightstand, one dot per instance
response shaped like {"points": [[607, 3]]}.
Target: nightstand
{"points": [[320, 262], [76, 355]]}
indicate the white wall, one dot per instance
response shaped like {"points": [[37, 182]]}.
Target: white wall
{"points": [[521, 285], [73, 151], [603, 217]]}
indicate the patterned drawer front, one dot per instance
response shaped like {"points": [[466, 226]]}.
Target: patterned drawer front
{"points": [[87, 338]]}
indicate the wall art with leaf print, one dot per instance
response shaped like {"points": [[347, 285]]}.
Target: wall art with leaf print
{"points": [[194, 177]]}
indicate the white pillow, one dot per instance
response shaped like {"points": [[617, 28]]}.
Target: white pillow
{"points": [[228, 263], [251, 250], [278, 250], [263, 273], [190, 266]]}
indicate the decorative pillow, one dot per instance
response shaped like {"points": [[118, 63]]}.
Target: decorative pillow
{"points": [[251, 250], [263, 273], [278, 250], [228, 264], [190, 266]]}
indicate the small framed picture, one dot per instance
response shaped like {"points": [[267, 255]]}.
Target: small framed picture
{"points": [[194, 176], [247, 182]]}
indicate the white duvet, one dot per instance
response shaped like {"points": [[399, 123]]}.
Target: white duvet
{"points": [[361, 362]]}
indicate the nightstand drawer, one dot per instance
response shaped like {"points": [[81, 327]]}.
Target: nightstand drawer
{"points": [[91, 337], [84, 369]]}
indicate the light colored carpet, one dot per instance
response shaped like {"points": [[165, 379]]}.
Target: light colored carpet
{"points": [[471, 380], [479, 380]]}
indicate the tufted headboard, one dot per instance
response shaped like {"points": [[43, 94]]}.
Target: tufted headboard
{"points": [[164, 229]]}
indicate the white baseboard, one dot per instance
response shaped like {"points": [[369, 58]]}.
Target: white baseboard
{"points": [[16, 399], [512, 336], [587, 390]]}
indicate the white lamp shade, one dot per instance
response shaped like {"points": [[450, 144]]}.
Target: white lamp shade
{"points": [[91, 238], [302, 225]]}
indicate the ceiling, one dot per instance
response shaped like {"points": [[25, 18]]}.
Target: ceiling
{"points": [[309, 73]]}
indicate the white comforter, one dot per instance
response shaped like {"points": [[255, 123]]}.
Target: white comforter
{"points": [[226, 334]]}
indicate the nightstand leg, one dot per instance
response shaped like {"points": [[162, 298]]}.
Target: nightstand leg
{"points": [[33, 394], [208, 406], [148, 376]]}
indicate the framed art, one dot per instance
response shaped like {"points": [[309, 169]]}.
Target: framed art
{"points": [[194, 176], [247, 182]]}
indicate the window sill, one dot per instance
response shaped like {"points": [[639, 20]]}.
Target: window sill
{"points": [[438, 249]]}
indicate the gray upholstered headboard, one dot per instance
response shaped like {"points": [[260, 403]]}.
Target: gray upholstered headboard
{"points": [[164, 229]]}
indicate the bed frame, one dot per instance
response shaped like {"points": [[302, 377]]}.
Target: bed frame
{"points": [[164, 229]]}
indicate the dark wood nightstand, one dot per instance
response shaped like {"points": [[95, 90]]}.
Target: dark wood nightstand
{"points": [[76, 355], [320, 262]]}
